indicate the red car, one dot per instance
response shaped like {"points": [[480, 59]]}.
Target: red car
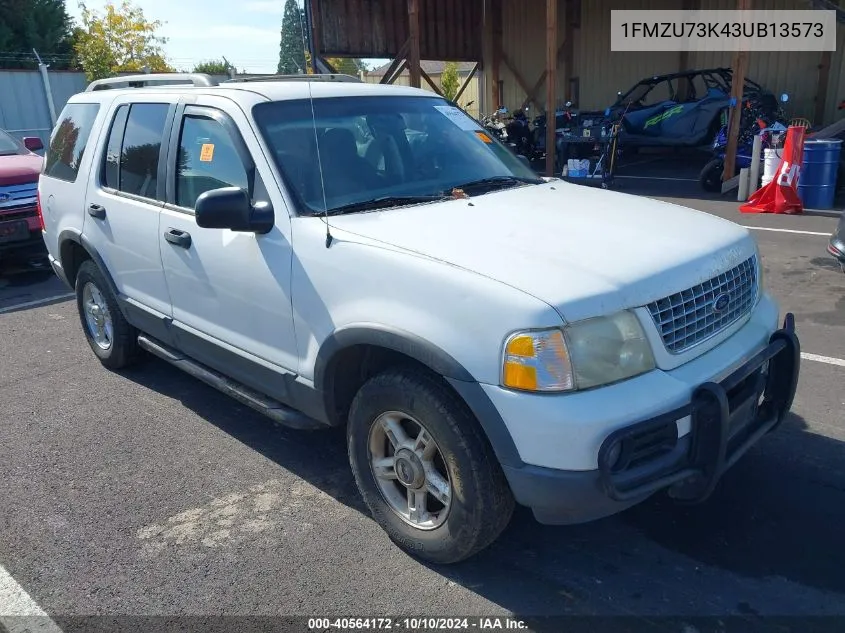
{"points": [[20, 221]]}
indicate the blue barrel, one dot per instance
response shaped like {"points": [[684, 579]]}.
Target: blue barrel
{"points": [[817, 181]]}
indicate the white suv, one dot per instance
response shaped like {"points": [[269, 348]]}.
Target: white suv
{"points": [[335, 253]]}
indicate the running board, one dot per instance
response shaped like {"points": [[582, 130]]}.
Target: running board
{"points": [[273, 409]]}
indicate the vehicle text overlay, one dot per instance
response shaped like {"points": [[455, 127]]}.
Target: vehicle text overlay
{"points": [[724, 30]]}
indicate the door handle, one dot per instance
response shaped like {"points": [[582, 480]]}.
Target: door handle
{"points": [[97, 211], [177, 237]]}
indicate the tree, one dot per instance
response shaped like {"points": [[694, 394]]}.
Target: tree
{"points": [[449, 81], [346, 65], [40, 24], [122, 40], [212, 67], [292, 44]]}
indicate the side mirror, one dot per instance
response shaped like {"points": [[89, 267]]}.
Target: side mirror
{"points": [[784, 97], [230, 208], [32, 143]]}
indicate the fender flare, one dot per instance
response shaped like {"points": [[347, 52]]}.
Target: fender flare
{"points": [[71, 235], [431, 356]]}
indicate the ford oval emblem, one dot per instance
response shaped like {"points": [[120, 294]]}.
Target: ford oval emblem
{"points": [[721, 302]]}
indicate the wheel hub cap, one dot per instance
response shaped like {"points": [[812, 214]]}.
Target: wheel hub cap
{"points": [[409, 469]]}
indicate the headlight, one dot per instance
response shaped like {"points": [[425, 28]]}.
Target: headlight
{"points": [[584, 354]]}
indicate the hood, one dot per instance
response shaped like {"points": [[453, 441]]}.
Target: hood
{"points": [[584, 251], [18, 169]]}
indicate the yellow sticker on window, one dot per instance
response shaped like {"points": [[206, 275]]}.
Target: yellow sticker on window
{"points": [[207, 152], [484, 137]]}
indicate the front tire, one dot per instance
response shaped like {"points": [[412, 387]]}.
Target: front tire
{"points": [[424, 469], [710, 177], [111, 338]]}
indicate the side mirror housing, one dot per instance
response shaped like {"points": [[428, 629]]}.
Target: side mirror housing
{"points": [[231, 208], [32, 143]]}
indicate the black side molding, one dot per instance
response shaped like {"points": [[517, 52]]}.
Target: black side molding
{"points": [[273, 409]]}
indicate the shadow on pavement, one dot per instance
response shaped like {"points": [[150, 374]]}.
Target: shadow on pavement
{"points": [[778, 514]]}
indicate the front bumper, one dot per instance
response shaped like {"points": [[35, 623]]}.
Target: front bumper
{"points": [[726, 419]]}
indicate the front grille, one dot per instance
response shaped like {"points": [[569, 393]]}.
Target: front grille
{"points": [[18, 195], [687, 318]]}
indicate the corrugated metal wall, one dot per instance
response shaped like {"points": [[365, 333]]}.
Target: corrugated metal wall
{"points": [[23, 102], [601, 72]]}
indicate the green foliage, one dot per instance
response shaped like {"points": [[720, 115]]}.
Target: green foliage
{"points": [[292, 45], [212, 67], [346, 65], [122, 40], [450, 82], [40, 24]]}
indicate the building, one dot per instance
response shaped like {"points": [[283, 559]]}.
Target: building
{"points": [[469, 99], [519, 44]]}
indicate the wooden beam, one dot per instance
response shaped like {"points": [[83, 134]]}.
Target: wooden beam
{"points": [[740, 65], [430, 82], [551, 84], [399, 71], [519, 79], [414, 38], [824, 82], [496, 18], [569, 48], [466, 82], [316, 19], [400, 57], [533, 94]]}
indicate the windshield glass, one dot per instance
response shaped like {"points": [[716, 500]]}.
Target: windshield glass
{"points": [[8, 145], [398, 150]]}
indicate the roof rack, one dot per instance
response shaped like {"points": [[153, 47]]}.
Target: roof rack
{"points": [[316, 77], [149, 79]]}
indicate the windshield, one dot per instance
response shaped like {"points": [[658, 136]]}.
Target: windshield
{"points": [[387, 150], [8, 145]]}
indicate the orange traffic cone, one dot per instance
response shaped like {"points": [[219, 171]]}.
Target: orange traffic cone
{"points": [[781, 194]]}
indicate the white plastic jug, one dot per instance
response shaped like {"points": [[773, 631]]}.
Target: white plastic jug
{"points": [[771, 162]]}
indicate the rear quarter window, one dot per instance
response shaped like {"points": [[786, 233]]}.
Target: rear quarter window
{"points": [[69, 140]]}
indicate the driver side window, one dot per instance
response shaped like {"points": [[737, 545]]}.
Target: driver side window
{"points": [[207, 160]]}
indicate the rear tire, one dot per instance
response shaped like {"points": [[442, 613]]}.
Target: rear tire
{"points": [[710, 177], [112, 339], [479, 504]]}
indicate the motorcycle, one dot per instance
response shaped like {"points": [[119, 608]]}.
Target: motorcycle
{"points": [[759, 117], [495, 126]]}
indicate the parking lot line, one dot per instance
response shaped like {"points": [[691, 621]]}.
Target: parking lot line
{"points": [[766, 228], [823, 359], [18, 611], [37, 302]]}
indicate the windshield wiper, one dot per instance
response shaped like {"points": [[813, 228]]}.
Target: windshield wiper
{"points": [[495, 182], [384, 202]]}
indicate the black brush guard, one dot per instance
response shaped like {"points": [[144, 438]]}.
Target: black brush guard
{"points": [[727, 418]]}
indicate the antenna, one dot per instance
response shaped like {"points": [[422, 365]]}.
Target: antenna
{"points": [[320, 167]]}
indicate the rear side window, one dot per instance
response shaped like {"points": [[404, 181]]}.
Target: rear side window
{"points": [[139, 153], [69, 139], [111, 172]]}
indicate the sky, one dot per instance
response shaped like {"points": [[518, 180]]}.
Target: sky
{"points": [[247, 32]]}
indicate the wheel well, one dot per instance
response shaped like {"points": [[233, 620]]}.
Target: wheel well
{"points": [[72, 254], [352, 366]]}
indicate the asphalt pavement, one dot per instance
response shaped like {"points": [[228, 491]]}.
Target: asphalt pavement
{"points": [[146, 492]]}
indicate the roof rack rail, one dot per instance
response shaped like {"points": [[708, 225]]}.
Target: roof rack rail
{"points": [[316, 77], [148, 79]]}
